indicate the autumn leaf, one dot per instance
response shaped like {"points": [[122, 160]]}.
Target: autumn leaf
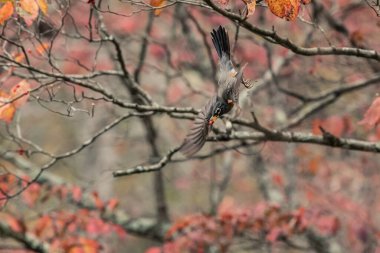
{"points": [[112, 204], [85, 245], [157, 3], [28, 10], [97, 201], [372, 115], [251, 6], [20, 90], [43, 6], [6, 12], [7, 110], [42, 224], [154, 250], [14, 223], [287, 9], [76, 193]]}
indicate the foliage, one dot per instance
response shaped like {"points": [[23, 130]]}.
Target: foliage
{"points": [[91, 91]]}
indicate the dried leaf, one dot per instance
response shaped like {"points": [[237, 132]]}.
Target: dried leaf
{"points": [[42, 224], [76, 193], [273, 234], [287, 9], [251, 6], [153, 250], [372, 115], [28, 10], [99, 204], [43, 6], [40, 49], [7, 111], [157, 3], [6, 12], [14, 223], [21, 89], [112, 204]]}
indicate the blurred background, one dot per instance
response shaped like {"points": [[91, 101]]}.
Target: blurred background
{"points": [[83, 61]]}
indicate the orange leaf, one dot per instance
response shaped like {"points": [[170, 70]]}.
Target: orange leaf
{"points": [[21, 89], [157, 3], [14, 223], [85, 246], [112, 204], [28, 10], [287, 9], [42, 48], [6, 12], [251, 6], [372, 115], [19, 57], [42, 224], [7, 111], [97, 201], [43, 6]]}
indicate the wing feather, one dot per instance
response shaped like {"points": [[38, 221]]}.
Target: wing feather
{"points": [[198, 133]]}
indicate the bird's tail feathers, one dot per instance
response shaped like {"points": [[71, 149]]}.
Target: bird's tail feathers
{"points": [[221, 42]]}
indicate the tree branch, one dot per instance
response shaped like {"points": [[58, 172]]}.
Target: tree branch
{"points": [[272, 37], [27, 240]]}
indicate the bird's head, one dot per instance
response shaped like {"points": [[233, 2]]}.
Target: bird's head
{"points": [[220, 107]]}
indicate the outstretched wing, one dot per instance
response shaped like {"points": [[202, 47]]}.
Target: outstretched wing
{"points": [[198, 133]]}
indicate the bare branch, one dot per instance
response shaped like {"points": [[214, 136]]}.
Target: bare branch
{"points": [[148, 168], [27, 240], [272, 36]]}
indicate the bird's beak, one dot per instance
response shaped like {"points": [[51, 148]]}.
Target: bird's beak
{"points": [[212, 120]]}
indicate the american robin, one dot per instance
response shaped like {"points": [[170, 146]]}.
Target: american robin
{"points": [[229, 80]]}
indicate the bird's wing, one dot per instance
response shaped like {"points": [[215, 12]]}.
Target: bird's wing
{"points": [[198, 133]]}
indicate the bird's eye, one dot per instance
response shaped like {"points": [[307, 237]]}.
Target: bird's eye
{"points": [[217, 111]]}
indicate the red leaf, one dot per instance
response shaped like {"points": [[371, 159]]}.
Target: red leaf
{"points": [[42, 223], [6, 12], [31, 194], [20, 90], [153, 250], [98, 202], [328, 224], [335, 125], [112, 204], [274, 234], [84, 245], [278, 179], [372, 115], [76, 193], [14, 223]]}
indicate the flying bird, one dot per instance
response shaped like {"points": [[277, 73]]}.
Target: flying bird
{"points": [[229, 79]]}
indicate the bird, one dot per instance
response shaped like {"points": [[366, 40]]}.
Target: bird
{"points": [[229, 79]]}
